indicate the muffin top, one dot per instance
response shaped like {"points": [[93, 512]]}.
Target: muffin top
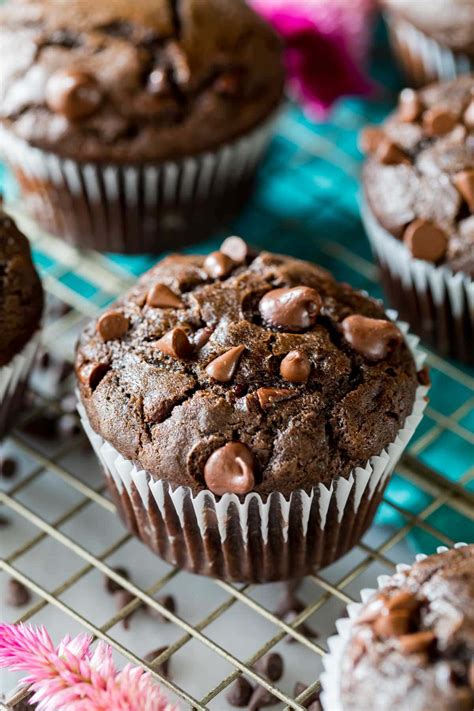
{"points": [[135, 81], [244, 372], [412, 645], [450, 22], [419, 176], [21, 295]]}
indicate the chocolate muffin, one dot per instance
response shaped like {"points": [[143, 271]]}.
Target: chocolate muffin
{"points": [[21, 305], [432, 39], [232, 399], [419, 189], [134, 126], [411, 645]]}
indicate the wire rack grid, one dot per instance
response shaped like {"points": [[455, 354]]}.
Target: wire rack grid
{"points": [[307, 190]]}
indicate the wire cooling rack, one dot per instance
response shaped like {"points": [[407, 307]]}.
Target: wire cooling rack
{"points": [[65, 534]]}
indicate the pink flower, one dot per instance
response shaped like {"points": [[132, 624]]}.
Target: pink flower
{"points": [[72, 677], [326, 43]]}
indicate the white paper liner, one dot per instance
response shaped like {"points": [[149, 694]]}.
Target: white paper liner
{"points": [[299, 516], [423, 58], [123, 208], [332, 661]]}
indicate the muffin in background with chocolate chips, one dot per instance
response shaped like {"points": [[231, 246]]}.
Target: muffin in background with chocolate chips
{"points": [[136, 126], [410, 645], [419, 212], [21, 307], [248, 411]]}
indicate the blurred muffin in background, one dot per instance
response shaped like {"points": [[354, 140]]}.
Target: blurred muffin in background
{"points": [[134, 127], [432, 39]]}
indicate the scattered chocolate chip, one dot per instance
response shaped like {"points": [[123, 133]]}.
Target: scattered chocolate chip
{"points": [[439, 120], [311, 701], [464, 181], [73, 93], [389, 153], [239, 692], [17, 594], [201, 337], [44, 360], [370, 139], [261, 698], [110, 585], [68, 426], [425, 240], [416, 642], [424, 376], [224, 366], [218, 265], [268, 397], [392, 623], [410, 106], [289, 602], [303, 628], [372, 338], [161, 297], [293, 309], [271, 666], [315, 706], [230, 470], [123, 598], [112, 325], [236, 248], [295, 367], [91, 374], [469, 115], [8, 467], [4, 522], [175, 343], [168, 602], [162, 668]]}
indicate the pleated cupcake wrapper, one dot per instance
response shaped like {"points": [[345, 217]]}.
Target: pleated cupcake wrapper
{"points": [[255, 539], [13, 377], [331, 678], [444, 299], [108, 206], [423, 58]]}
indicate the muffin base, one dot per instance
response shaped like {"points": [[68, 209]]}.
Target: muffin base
{"points": [[253, 540], [136, 208], [438, 304], [13, 382], [423, 59]]}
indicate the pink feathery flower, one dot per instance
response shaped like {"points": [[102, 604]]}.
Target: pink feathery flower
{"points": [[73, 677], [326, 47]]}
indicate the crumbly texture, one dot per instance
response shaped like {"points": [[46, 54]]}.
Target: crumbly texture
{"points": [[423, 185], [449, 22], [21, 295], [170, 415], [175, 77], [377, 674]]}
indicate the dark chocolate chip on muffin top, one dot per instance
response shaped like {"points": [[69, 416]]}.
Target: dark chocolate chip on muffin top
{"points": [[242, 372]]}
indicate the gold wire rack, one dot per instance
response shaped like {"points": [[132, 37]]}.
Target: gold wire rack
{"points": [[379, 553]]}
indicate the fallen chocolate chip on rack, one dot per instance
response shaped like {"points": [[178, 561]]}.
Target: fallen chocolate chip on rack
{"points": [[168, 602], [294, 309], [410, 106], [372, 338], [162, 668], [4, 522], [124, 598], [295, 367], [161, 297], [239, 693], [175, 343], [224, 366], [236, 248], [270, 666], [312, 703], [218, 265], [268, 397], [73, 93], [261, 698], [17, 594], [425, 240], [111, 586], [112, 325], [230, 470], [8, 467], [464, 181], [303, 628]]}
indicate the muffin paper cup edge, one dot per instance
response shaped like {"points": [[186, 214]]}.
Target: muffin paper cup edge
{"points": [[332, 660], [13, 377]]}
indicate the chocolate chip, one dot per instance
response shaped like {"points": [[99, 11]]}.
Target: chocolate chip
{"points": [[261, 698], [372, 338], [224, 366], [416, 642], [392, 623], [44, 360], [311, 701], [73, 93], [268, 397], [164, 667], [123, 598], [239, 692], [389, 153], [439, 120], [271, 666], [293, 309], [111, 586], [161, 297], [230, 470], [464, 181], [425, 240], [469, 115], [175, 343], [424, 376], [4, 522], [218, 265], [168, 602], [410, 106], [112, 325], [295, 367], [8, 467], [236, 248], [370, 139], [303, 628], [17, 594], [91, 374]]}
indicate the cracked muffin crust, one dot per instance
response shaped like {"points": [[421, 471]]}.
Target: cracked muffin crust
{"points": [[245, 371], [412, 644], [135, 81]]}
